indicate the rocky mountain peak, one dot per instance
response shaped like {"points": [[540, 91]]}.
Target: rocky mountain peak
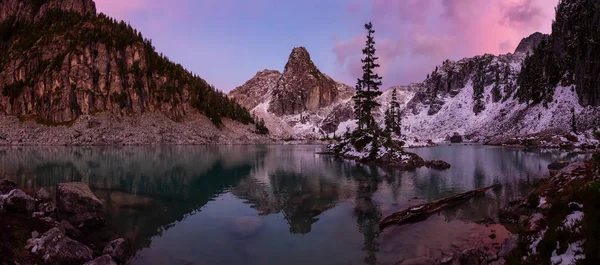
{"points": [[31, 11], [529, 43], [299, 60], [302, 86]]}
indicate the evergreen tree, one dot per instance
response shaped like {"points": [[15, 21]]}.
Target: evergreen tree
{"points": [[260, 127], [393, 119], [496, 94], [367, 87], [389, 121]]}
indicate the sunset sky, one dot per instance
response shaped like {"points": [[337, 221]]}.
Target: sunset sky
{"points": [[227, 41]]}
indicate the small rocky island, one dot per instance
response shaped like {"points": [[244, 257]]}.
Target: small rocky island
{"points": [[380, 149], [67, 230]]}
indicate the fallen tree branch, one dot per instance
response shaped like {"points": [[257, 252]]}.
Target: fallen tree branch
{"points": [[421, 212]]}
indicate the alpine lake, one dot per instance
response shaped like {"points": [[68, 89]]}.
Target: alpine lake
{"points": [[281, 204]]}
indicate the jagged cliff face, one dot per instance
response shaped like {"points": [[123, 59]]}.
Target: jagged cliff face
{"points": [[256, 90], [527, 45], [32, 11], [59, 60], [301, 102], [302, 86]]}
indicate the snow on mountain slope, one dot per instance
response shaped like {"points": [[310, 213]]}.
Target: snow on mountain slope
{"points": [[473, 97]]}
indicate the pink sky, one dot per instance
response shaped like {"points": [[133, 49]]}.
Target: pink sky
{"points": [[413, 36]]}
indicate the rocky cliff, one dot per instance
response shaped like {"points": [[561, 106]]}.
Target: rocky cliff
{"points": [[301, 102], [302, 86], [527, 45], [59, 60]]}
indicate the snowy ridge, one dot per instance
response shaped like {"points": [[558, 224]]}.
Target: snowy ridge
{"points": [[473, 97]]}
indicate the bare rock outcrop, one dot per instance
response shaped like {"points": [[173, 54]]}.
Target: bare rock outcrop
{"points": [[56, 248], [79, 206], [302, 86]]}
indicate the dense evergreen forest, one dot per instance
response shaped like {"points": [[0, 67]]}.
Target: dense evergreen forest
{"points": [[569, 56]]}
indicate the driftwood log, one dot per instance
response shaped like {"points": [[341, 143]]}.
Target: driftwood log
{"points": [[421, 212]]}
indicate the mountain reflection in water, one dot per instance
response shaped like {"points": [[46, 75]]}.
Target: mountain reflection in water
{"points": [[176, 204]]}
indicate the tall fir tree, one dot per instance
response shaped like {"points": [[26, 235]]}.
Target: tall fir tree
{"points": [[367, 87]]}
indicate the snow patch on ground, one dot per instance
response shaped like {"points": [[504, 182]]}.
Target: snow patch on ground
{"points": [[571, 256]]}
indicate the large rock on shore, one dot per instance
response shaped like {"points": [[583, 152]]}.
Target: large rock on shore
{"points": [[17, 201], [78, 205], [116, 249], [6, 186], [56, 248]]}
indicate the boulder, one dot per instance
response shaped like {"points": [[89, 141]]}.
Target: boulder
{"points": [[56, 248], [103, 260], [17, 201], [116, 249], [47, 207], [438, 164], [77, 204], [43, 196], [69, 229], [246, 226], [6, 186]]}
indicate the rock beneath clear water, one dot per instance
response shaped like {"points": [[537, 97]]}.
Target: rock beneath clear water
{"points": [[246, 226], [69, 229], [438, 164], [6, 186], [79, 205], [56, 248], [103, 260], [43, 196], [116, 249], [17, 201]]}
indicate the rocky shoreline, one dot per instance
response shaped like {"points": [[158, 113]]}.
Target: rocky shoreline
{"points": [[556, 223], [551, 139], [66, 230]]}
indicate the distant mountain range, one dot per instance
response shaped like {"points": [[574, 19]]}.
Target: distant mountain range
{"points": [[479, 97]]}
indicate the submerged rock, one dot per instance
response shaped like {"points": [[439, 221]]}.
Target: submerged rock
{"points": [[79, 205], [103, 260], [56, 248], [116, 249], [17, 201], [246, 226]]}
